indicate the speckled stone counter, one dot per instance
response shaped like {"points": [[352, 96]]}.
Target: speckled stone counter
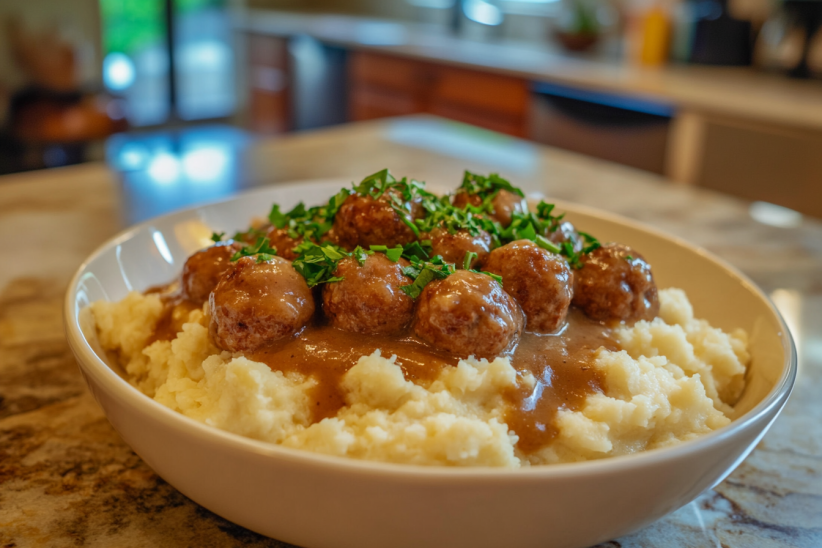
{"points": [[67, 479]]}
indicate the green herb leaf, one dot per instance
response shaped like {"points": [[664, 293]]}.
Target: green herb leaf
{"points": [[545, 243], [420, 249], [334, 203], [217, 237], [469, 258], [496, 277], [317, 263], [474, 183], [361, 255], [423, 272], [261, 247], [393, 253], [250, 234]]}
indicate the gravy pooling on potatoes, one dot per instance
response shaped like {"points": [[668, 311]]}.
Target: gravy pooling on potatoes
{"points": [[560, 364], [413, 304]]}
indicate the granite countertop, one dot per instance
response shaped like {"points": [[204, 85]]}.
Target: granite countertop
{"points": [[738, 92], [67, 479]]}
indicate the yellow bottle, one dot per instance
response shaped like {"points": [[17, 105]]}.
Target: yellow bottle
{"points": [[655, 36]]}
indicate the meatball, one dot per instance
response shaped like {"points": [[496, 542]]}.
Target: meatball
{"points": [[503, 206], [468, 314], [283, 243], [540, 281], [453, 247], [364, 221], [615, 283], [566, 232], [203, 270], [256, 303], [369, 300]]}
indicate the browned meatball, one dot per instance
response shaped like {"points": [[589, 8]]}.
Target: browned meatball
{"points": [[256, 303], [503, 206], [203, 270], [364, 221], [453, 247], [566, 232], [369, 299], [615, 283], [283, 243], [540, 281], [468, 314]]}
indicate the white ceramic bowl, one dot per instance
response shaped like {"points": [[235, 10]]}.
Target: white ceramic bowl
{"points": [[320, 501]]}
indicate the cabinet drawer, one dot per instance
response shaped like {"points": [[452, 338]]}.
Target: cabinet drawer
{"points": [[503, 123], [389, 72], [368, 102], [491, 92]]}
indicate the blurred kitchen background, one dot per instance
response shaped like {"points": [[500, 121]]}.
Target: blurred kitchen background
{"points": [[724, 94]]}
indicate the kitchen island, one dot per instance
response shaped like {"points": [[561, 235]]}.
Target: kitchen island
{"points": [[67, 479]]}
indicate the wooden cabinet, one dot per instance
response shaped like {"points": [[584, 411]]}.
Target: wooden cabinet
{"points": [[384, 85], [269, 106]]}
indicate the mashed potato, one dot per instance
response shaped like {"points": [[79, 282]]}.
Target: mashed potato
{"points": [[675, 379]]}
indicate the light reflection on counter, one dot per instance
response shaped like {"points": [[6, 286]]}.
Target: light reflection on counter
{"points": [[169, 170], [467, 142]]}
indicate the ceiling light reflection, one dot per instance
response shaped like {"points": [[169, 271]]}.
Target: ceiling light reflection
{"points": [[118, 71], [775, 215], [206, 163], [482, 12], [164, 168]]}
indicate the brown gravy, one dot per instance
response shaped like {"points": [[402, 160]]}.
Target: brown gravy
{"points": [[175, 313], [565, 376], [328, 353], [560, 363]]}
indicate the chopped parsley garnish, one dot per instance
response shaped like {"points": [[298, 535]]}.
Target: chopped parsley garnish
{"points": [[399, 194], [496, 277], [261, 250], [545, 243], [361, 255], [536, 226], [334, 203], [393, 253], [249, 235], [466, 265], [575, 257], [381, 182], [280, 220], [419, 249], [301, 222], [474, 183], [317, 263], [442, 214], [423, 272], [629, 258]]}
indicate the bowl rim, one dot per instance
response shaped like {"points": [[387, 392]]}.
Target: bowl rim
{"points": [[91, 364]]}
